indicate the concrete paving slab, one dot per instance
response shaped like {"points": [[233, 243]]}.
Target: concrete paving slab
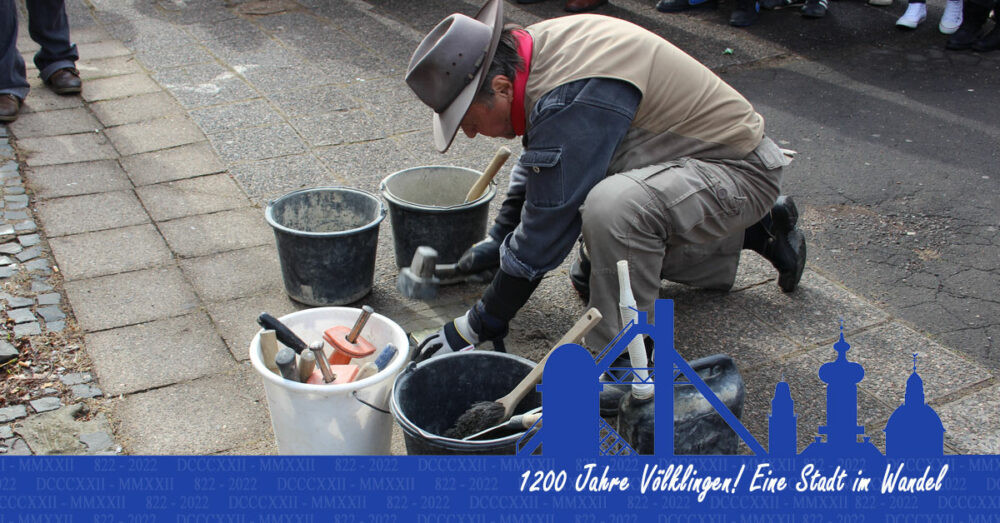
{"points": [[258, 143], [754, 270], [239, 115], [236, 274], [92, 69], [971, 423], [367, 164], [339, 127], [153, 135], [265, 179], [52, 123], [304, 101], [112, 251], [707, 323], [204, 84], [74, 179], [186, 161], [811, 314], [41, 99], [887, 351], [236, 320], [105, 49], [73, 148], [203, 416], [91, 212], [183, 349], [205, 194], [160, 54], [206, 234], [134, 109], [118, 87], [129, 298]]}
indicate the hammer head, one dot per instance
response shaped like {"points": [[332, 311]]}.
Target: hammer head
{"points": [[418, 281]]}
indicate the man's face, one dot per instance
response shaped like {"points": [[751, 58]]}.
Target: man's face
{"points": [[491, 118]]}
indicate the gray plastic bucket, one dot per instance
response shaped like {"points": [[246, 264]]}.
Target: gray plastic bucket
{"points": [[327, 238], [427, 207], [428, 397]]}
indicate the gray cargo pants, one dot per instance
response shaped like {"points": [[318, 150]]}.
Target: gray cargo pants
{"points": [[681, 220]]}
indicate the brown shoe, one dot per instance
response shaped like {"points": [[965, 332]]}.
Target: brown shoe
{"points": [[65, 81], [582, 6], [9, 106]]}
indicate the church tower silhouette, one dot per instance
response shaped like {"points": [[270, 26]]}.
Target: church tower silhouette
{"points": [[841, 430], [914, 429], [782, 431]]}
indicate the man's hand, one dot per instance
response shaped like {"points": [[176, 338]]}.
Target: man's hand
{"points": [[454, 336], [481, 257], [464, 333]]}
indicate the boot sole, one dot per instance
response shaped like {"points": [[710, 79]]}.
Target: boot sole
{"points": [[785, 217]]}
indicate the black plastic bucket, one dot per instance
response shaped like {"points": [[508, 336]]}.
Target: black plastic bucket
{"points": [[698, 428], [327, 238], [427, 399], [427, 207]]}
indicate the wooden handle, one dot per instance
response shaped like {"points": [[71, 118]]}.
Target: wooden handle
{"points": [[573, 335], [480, 186]]}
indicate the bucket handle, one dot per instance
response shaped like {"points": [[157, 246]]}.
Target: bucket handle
{"points": [[363, 402]]}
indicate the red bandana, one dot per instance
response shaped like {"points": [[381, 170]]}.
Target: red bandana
{"points": [[524, 45]]}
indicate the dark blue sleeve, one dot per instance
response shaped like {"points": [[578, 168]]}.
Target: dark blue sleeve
{"points": [[574, 131]]}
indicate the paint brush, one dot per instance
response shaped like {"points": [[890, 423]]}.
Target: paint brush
{"points": [[381, 362]]}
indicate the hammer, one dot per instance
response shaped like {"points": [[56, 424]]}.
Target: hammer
{"points": [[421, 279]]}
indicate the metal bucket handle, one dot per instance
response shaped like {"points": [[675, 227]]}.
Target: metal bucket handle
{"points": [[365, 403]]}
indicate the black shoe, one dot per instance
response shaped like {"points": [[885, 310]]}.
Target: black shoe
{"points": [[778, 4], [973, 18], [9, 107], [745, 14], [65, 81], [776, 238], [814, 8], [612, 393], [990, 42], [579, 274], [673, 6]]}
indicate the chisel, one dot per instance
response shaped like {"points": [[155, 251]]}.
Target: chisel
{"points": [[285, 360]]}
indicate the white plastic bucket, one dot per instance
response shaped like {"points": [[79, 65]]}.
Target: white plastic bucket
{"points": [[333, 419]]}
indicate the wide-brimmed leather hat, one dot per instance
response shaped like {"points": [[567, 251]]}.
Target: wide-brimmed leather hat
{"points": [[447, 68]]}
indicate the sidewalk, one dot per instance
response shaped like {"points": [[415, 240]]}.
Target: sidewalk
{"points": [[150, 203]]}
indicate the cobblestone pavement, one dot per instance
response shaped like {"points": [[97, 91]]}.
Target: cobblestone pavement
{"points": [[148, 194]]}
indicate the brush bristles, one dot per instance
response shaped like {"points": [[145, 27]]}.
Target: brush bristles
{"points": [[480, 416]]}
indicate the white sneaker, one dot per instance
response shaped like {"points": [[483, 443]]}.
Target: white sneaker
{"points": [[951, 19], [880, 3], [915, 13]]}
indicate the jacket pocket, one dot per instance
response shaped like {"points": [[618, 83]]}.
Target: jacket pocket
{"points": [[543, 168]]}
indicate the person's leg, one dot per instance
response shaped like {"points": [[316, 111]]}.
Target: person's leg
{"points": [[12, 72], [688, 214], [990, 41], [974, 15], [49, 26], [916, 12]]}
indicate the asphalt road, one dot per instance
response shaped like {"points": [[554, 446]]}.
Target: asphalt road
{"points": [[898, 139]]}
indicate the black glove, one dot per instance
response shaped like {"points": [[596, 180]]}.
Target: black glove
{"points": [[481, 257]]}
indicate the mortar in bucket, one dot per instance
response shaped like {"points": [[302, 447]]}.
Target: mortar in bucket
{"points": [[327, 238], [428, 398], [427, 207], [333, 419]]}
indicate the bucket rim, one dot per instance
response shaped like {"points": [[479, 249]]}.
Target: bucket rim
{"points": [[394, 366], [486, 197], [409, 426], [269, 213]]}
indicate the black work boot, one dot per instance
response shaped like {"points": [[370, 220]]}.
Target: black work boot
{"points": [[776, 238], [673, 6], [579, 273], [814, 8], [745, 13], [990, 42], [973, 18]]}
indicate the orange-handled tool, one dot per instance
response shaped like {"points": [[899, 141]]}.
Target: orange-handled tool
{"points": [[348, 343]]}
